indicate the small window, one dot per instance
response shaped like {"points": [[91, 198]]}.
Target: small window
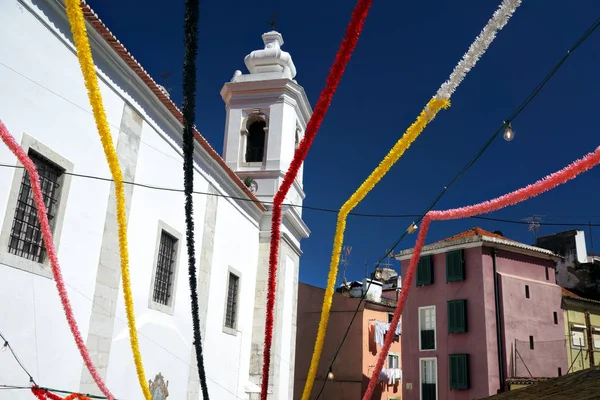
{"points": [[547, 274], [255, 145], [232, 301], [555, 318], [578, 336], [531, 343], [390, 317], [429, 379], [165, 267], [596, 338], [26, 235], [457, 316], [526, 291], [425, 271], [559, 371], [459, 371], [455, 266], [427, 328], [393, 361]]}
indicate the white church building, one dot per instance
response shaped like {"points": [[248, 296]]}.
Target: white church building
{"points": [[44, 104]]}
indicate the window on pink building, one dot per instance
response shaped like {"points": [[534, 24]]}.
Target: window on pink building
{"points": [[455, 266], [459, 371], [428, 377], [425, 271], [427, 339]]}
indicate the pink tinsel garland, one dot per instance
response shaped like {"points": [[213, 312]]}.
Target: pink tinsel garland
{"points": [[549, 182], [48, 242]]}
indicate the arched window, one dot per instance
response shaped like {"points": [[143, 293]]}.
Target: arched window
{"points": [[255, 144]]}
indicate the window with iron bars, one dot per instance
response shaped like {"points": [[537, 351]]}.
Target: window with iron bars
{"points": [[26, 235], [163, 281], [232, 297]]}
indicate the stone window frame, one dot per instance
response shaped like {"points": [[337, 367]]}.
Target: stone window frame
{"points": [[43, 269], [393, 354], [232, 331], [251, 116], [153, 305], [424, 308]]}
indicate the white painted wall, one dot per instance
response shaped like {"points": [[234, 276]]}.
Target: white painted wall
{"points": [[166, 340], [31, 316], [286, 332], [55, 111]]}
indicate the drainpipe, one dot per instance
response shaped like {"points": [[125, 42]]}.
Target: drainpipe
{"points": [[498, 323], [590, 342]]}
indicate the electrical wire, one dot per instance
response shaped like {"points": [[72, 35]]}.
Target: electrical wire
{"points": [[7, 344], [304, 207], [124, 323], [505, 124], [10, 387]]}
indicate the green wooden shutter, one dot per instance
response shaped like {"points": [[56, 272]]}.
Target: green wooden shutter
{"points": [[425, 271], [457, 316], [455, 266], [459, 371]]}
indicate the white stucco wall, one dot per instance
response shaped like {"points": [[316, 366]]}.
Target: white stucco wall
{"points": [[165, 340], [43, 94], [286, 331], [31, 316]]}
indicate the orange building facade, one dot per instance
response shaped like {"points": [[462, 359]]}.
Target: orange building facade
{"points": [[356, 360]]}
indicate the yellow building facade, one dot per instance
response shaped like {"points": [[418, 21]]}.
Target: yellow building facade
{"points": [[582, 329]]}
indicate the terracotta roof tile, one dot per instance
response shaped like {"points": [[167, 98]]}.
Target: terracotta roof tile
{"points": [[580, 385], [474, 232], [92, 18], [567, 293]]}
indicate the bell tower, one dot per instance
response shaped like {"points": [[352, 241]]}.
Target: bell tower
{"points": [[267, 113]]}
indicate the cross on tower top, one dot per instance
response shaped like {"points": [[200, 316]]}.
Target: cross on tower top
{"points": [[273, 22]]}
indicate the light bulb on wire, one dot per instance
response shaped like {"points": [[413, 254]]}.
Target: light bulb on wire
{"points": [[509, 134], [330, 375], [4, 347], [412, 228]]}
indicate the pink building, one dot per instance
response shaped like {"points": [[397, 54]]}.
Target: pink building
{"points": [[482, 309], [352, 368]]}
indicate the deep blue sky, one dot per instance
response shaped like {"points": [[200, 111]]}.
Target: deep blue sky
{"points": [[406, 51]]}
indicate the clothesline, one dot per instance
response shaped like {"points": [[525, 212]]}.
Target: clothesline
{"points": [[381, 328], [391, 375]]}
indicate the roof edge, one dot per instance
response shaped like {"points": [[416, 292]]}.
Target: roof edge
{"points": [[475, 241], [96, 23]]}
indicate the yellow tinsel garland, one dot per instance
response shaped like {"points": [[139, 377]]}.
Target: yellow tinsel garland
{"points": [[84, 54], [411, 134]]}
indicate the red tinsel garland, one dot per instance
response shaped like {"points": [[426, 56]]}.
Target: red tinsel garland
{"points": [[43, 394], [359, 15]]}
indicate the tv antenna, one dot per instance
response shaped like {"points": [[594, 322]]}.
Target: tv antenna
{"points": [[346, 250], [386, 263], [534, 224]]}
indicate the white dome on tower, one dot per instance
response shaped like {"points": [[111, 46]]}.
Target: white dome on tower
{"points": [[268, 63]]}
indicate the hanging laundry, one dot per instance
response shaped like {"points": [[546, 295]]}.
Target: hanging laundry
{"points": [[394, 374], [383, 375], [380, 329]]}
